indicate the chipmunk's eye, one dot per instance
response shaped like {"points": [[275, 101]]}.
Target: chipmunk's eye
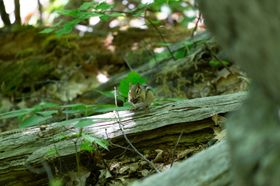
{"points": [[138, 89]]}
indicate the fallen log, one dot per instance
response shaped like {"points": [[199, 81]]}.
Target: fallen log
{"points": [[23, 149], [161, 68]]}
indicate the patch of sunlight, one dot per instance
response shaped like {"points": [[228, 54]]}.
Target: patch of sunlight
{"points": [[102, 78], [138, 23], [147, 1], [94, 20], [83, 29], [107, 125], [165, 11], [159, 50]]}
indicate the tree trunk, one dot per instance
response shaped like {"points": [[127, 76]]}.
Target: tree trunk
{"points": [[249, 31], [4, 16], [17, 12], [40, 8]]}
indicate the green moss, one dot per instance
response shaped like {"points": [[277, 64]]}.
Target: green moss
{"points": [[53, 42], [24, 74], [26, 52]]}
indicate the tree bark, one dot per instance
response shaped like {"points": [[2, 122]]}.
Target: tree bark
{"points": [[249, 31], [4, 16], [24, 148]]}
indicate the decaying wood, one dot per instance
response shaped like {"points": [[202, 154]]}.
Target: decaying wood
{"points": [[151, 70], [209, 167], [24, 148]]}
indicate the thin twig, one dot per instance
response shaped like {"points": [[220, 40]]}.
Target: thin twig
{"points": [[131, 145], [128, 65], [45, 168], [160, 34], [126, 138], [196, 24], [153, 25], [116, 145], [115, 96], [174, 149], [77, 157], [48, 170]]}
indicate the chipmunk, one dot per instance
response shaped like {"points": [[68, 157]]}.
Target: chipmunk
{"points": [[140, 96]]}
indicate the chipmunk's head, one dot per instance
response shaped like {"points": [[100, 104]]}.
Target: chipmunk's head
{"points": [[134, 93]]}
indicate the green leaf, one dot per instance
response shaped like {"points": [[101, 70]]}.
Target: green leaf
{"points": [[47, 112], [132, 78], [161, 2], [84, 122], [56, 182], [72, 13], [15, 113], [116, 14], [109, 94], [139, 10], [104, 17], [164, 43], [34, 120], [180, 53], [71, 24], [68, 122], [57, 24], [187, 20], [75, 106], [45, 105], [86, 15], [63, 31], [47, 31], [105, 108], [74, 111], [218, 64], [92, 139], [139, 13], [67, 27], [78, 108], [87, 146], [124, 87], [104, 6], [86, 6], [155, 22]]}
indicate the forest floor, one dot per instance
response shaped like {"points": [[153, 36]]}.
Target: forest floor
{"points": [[38, 68]]}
